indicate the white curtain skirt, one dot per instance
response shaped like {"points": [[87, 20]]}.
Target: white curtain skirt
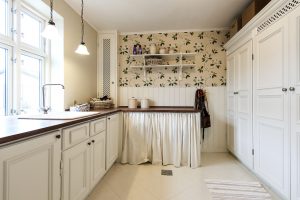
{"points": [[162, 138]]}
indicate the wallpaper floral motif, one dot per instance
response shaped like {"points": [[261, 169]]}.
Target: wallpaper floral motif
{"points": [[210, 59]]}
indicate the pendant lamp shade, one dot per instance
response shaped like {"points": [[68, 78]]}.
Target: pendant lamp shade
{"points": [[82, 49], [50, 32]]}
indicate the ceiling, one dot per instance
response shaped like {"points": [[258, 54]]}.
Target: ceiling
{"points": [[159, 15]]}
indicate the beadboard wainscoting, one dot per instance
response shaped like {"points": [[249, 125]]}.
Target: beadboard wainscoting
{"points": [[215, 137]]}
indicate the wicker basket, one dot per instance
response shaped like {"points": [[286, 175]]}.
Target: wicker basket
{"points": [[80, 108], [98, 104]]}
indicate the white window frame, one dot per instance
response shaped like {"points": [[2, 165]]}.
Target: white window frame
{"points": [[13, 41], [8, 78], [8, 34]]}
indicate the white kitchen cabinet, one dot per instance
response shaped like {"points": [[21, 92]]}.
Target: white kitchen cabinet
{"points": [[76, 172], [84, 164], [98, 157], [271, 107], [239, 104], [112, 140], [294, 63], [30, 170]]}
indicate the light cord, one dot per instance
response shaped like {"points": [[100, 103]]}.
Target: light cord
{"points": [[82, 22], [51, 10]]}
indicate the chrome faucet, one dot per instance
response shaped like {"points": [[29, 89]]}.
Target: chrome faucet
{"points": [[44, 108]]}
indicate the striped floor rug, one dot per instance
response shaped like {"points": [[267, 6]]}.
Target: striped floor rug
{"points": [[236, 190]]}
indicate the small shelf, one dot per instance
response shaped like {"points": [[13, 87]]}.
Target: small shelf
{"points": [[174, 57], [156, 66], [163, 55]]}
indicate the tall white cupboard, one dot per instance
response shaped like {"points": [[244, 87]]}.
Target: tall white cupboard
{"points": [[263, 97]]}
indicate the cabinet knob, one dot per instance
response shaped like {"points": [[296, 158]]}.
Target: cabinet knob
{"points": [[93, 141], [89, 143], [57, 136], [284, 89], [108, 118], [292, 89]]}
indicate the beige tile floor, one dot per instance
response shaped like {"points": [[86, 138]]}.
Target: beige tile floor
{"points": [[144, 182]]}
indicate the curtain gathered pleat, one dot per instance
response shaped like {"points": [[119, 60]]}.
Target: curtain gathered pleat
{"points": [[162, 138]]}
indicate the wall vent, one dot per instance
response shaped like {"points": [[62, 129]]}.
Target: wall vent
{"points": [[284, 10], [106, 66]]}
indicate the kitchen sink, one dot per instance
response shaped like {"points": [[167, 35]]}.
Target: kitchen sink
{"points": [[58, 115]]}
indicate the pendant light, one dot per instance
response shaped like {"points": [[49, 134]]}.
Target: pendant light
{"points": [[81, 49], [50, 31]]}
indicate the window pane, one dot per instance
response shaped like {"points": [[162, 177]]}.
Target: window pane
{"points": [[31, 29], [30, 84], [3, 16], [3, 63]]}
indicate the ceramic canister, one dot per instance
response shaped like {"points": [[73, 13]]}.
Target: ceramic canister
{"points": [[144, 103], [132, 103], [152, 49]]}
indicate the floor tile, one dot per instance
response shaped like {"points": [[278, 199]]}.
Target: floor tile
{"points": [[145, 182]]}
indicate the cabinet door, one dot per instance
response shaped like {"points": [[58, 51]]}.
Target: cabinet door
{"points": [[295, 101], [243, 99], [31, 169], [98, 157], [271, 107], [112, 139], [230, 102], [76, 168]]}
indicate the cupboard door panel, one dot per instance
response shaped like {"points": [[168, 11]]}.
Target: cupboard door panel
{"points": [[74, 135], [230, 102], [230, 132], [98, 158], [76, 170], [294, 64], [243, 133], [112, 139], [230, 73], [271, 104], [30, 169], [97, 126]]}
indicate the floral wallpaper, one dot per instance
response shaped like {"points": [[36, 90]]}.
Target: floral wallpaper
{"points": [[210, 59]]}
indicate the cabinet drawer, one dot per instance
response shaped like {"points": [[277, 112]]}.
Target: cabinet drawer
{"points": [[75, 135], [97, 126]]}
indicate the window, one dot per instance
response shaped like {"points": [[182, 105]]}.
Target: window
{"points": [[31, 82], [22, 58], [31, 29], [3, 17], [3, 85]]}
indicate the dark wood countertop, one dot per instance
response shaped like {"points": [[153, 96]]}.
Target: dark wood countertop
{"points": [[13, 129], [161, 109]]}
